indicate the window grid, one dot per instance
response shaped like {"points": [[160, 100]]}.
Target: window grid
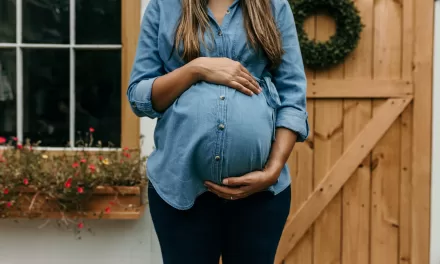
{"points": [[72, 46], [62, 46]]}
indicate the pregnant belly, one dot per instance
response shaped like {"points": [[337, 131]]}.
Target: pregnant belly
{"points": [[210, 121], [249, 137]]}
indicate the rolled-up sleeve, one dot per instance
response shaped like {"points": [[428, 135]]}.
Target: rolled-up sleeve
{"points": [[289, 78], [147, 64]]}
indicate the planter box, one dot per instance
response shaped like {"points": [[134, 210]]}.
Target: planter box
{"points": [[124, 203]]}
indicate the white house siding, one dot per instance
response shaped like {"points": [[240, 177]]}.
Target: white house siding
{"points": [[114, 242]]}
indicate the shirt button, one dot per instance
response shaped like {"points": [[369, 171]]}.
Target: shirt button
{"points": [[220, 33], [222, 97], [217, 158], [221, 126], [228, 11]]}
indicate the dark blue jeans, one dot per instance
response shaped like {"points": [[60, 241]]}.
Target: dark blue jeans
{"points": [[241, 231]]}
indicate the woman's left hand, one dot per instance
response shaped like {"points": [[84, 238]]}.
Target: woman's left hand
{"points": [[240, 187]]}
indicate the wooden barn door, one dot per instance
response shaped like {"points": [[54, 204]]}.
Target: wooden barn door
{"points": [[361, 182]]}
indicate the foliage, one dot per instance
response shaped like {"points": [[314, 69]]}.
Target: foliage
{"points": [[321, 55], [66, 180]]}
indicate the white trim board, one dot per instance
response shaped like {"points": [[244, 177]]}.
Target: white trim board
{"points": [[435, 173], [147, 125]]}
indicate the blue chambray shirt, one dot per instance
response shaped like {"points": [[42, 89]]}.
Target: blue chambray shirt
{"points": [[211, 131]]}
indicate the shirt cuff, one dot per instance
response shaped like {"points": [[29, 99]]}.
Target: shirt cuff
{"points": [[294, 120], [140, 100]]}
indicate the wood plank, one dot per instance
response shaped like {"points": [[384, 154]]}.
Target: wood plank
{"points": [[407, 40], [327, 150], [130, 124], [356, 191], [405, 187], [386, 155], [385, 195], [301, 169], [406, 137], [421, 158], [357, 113], [358, 88], [340, 173]]}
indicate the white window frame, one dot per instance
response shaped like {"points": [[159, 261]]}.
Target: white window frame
{"points": [[147, 125], [72, 47]]}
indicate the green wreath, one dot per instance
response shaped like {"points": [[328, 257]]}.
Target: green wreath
{"points": [[321, 55]]}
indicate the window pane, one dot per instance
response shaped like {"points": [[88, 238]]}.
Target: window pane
{"points": [[46, 21], [98, 21], [8, 114], [46, 96], [7, 21], [98, 95]]}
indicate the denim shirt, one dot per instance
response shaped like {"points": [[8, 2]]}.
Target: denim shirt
{"points": [[211, 131]]}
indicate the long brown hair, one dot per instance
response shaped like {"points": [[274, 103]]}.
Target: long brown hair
{"points": [[261, 29]]}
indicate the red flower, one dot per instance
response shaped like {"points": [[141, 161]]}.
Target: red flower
{"points": [[101, 158], [25, 181], [125, 148], [15, 138], [108, 210], [80, 189], [81, 225], [127, 155], [6, 191], [83, 160], [75, 165], [68, 183], [91, 130], [92, 168], [2, 140], [19, 146], [8, 204]]}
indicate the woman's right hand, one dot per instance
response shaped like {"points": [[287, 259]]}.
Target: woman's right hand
{"points": [[227, 72]]}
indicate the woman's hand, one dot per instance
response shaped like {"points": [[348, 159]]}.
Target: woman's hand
{"points": [[244, 186], [227, 72], [250, 183]]}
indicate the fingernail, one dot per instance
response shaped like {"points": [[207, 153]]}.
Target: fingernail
{"points": [[225, 181]]}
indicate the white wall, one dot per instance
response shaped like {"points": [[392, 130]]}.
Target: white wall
{"points": [[114, 242], [435, 182]]}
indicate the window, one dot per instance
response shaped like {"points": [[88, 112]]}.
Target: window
{"points": [[64, 68]]}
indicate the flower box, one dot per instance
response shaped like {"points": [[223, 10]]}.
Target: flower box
{"points": [[105, 202], [87, 182]]}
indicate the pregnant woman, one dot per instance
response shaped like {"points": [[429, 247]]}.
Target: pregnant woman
{"points": [[225, 80]]}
